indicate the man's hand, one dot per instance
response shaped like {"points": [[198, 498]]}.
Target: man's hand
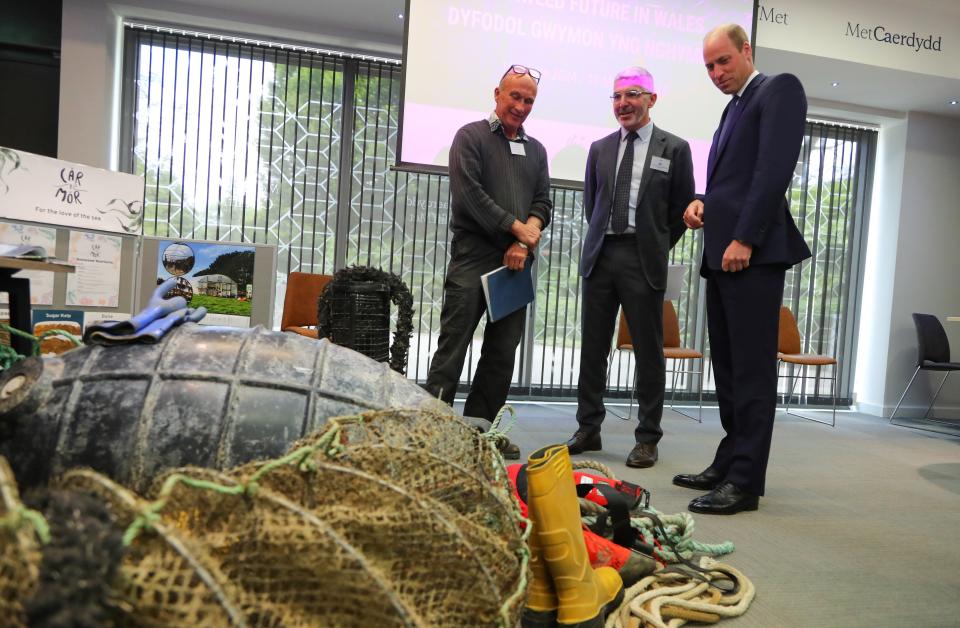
{"points": [[693, 216], [736, 257], [515, 257], [528, 233]]}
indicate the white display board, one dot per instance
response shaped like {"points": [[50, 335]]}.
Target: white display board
{"points": [[56, 192]]}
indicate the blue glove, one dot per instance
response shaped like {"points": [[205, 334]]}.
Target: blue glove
{"points": [[157, 307], [152, 333]]}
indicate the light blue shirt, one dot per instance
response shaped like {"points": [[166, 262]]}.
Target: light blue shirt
{"points": [[640, 146]]}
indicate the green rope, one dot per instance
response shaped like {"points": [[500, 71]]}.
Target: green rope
{"points": [[679, 529], [328, 442], [16, 518], [9, 357]]}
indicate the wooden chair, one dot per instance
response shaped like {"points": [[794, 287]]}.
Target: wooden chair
{"points": [[300, 303], [790, 351], [672, 350]]}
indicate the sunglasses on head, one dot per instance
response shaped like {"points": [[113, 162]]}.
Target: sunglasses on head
{"points": [[521, 70]]}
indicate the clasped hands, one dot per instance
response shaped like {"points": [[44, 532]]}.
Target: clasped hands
{"points": [[737, 255], [528, 237]]}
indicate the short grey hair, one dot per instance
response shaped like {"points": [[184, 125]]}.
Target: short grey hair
{"points": [[640, 75]]}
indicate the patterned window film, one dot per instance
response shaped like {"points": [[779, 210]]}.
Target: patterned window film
{"points": [[248, 141]]}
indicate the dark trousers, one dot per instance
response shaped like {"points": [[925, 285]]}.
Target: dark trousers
{"points": [[617, 279], [463, 306], [743, 317]]}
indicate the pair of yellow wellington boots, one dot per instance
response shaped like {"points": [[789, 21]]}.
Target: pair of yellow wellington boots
{"points": [[566, 591]]}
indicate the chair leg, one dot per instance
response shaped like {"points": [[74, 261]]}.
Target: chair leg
{"points": [[833, 394], [700, 393], [909, 384], [937, 394]]}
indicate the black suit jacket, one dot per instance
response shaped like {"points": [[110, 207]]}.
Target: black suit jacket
{"points": [[747, 176], [663, 197]]}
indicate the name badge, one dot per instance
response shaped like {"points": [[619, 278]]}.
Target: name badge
{"points": [[517, 149], [659, 163]]}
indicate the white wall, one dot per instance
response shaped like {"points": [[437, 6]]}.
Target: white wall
{"points": [[913, 262]]}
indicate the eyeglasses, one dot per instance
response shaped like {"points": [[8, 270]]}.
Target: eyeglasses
{"points": [[521, 70], [630, 94]]}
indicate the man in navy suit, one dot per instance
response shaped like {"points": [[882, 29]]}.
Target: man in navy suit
{"points": [[638, 182], [750, 240]]}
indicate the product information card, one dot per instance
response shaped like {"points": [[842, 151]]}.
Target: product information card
{"points": [[96, 282], [41, 282]]}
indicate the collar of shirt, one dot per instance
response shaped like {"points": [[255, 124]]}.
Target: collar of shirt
{"points": [[496, 125], [643, 133], [749, 79]]}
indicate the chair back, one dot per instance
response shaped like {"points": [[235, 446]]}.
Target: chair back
{"points": [[789, 336], [623, 336], [671, 325], [931, 339], [300, 302]]}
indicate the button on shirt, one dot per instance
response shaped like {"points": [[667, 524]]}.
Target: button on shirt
{"points": [[639, 160]]}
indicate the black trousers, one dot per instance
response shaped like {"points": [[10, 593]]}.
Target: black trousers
{"points": [[743, 317], [463, 307], [617, 279]]}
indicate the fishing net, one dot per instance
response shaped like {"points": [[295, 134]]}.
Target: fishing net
{"points": [[19, 550], [390, 518]]}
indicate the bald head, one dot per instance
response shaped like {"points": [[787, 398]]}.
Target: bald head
{"points": [[514, 98]]}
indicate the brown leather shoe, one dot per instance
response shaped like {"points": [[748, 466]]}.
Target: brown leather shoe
{"points": [[508, 450], [584, 440], [642, 456], [706, 480]]}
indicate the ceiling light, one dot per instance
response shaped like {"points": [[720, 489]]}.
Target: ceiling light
{"points": [[835, 84], [954, 101], [399, 16]]}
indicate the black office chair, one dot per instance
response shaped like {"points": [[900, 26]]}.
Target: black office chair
{"points": [[933, 355]]}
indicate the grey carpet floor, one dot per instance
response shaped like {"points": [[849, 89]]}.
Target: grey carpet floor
{"points": [[860, 525]]}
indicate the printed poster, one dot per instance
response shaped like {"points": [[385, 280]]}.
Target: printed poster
{"points": [[96, 282], [216, 276], [41, 281]]}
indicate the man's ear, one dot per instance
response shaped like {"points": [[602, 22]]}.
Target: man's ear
{"points": [[653, 99]]}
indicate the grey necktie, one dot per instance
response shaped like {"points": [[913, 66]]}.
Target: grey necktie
{"points": [[621, 194]]}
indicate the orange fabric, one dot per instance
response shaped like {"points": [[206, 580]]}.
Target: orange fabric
{"points": [[789, 345], [811, 359], [789, 339], [300, 302], [671, 335], [671, 325]]}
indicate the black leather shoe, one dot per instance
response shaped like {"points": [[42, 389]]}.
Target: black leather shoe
{"points": [[508, 450], [706, 480], [726, 499], [642, 455], [584, 440]]}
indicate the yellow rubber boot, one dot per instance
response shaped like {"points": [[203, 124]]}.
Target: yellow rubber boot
{"points": [[585, 596], [541, 608]]}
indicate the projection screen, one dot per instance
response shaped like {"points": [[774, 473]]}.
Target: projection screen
{"points": [[455, 52]]}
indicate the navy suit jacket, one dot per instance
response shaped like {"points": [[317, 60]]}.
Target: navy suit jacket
{"points": [[748, 176], [662, 198]]}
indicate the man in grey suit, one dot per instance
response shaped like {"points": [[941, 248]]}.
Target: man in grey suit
{"points": [[638, 182]]}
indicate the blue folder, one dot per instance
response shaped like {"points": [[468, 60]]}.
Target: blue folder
{"points": [[507, 290]]}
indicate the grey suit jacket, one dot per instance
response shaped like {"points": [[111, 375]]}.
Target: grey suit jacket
{"points": [[663, 197]]}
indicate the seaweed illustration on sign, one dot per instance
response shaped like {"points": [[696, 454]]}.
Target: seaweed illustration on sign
{"points": [[132, 213], [9, 161]]}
